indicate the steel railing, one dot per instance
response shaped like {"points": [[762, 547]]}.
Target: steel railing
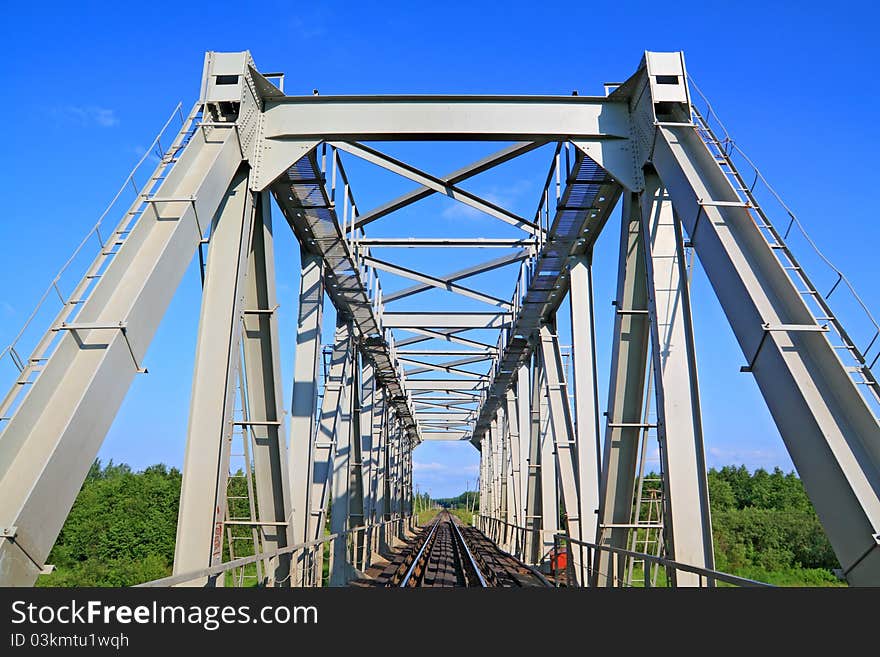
{"points": [[523, 542], [307, 559]]}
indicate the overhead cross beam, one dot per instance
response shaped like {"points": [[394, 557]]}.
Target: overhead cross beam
{"points": [[485, 164], [473, 270], [456, 193], [436, 282]]}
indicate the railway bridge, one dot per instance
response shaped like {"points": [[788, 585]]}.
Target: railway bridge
{"points": [[323, 494]]}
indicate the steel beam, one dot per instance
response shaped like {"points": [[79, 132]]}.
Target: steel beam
{"points": [[334, 426], [830, 432], [435, 282], [473, 270], [303, 421], [199, 542], [449, 335], [534, 503], [629, 354], [346, 435], [504, 155], [686, 521], [463, 320], [586, 396], [46, 449], [549, 489], [498, 118], [444, 242], [262, 366], [523, 418], [451, 191], [380, 421], [443, 384], [561, 429]]}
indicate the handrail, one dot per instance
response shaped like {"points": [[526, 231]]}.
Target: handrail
{"points": [[94, 230], [670, 563], [709, 574], [263, 556], [793, 219]]}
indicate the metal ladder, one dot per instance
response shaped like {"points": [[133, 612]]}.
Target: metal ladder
{"points": [[723, 150], [241, 511], [647, 514], [29, 370]]}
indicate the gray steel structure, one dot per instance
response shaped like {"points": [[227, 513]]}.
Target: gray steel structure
{"points": [[246, 142]]}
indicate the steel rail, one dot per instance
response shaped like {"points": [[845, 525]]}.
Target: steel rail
{"points": [[412, 567], [470, 555]]}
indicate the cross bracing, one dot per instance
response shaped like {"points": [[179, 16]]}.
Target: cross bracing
{"points": [[426, 349]]}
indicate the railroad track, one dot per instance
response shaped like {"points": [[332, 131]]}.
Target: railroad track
{"points": [[449, 554]]}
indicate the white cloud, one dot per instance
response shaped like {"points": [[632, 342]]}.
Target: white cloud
{"points": [[504, 197], [429, 467], [88, 115]]}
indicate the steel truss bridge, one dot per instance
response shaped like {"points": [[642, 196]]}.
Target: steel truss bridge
{"points": [[530, 407]]}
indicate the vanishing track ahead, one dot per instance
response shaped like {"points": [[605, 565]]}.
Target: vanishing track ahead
{"points": [[449, 554]]}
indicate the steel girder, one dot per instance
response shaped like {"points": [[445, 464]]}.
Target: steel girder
{"points": [[687, 522], [623, 425], [203, 504], [52, 438], [303, 421], [263, 390], [826, 424], [643, 127], [586, 398]]}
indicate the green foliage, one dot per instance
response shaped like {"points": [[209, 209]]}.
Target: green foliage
{"points": [[425, 516], [120, 530], [467, 500], [765, 528], [463, 514], [122, 527]]}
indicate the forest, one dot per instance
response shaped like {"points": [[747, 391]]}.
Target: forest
{"points": [[122, 526]]}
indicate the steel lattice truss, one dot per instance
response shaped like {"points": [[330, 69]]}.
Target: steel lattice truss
{"points": [[395, 378]]}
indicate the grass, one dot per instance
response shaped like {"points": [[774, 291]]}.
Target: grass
{"points": [[462, 514], [425, 516]]}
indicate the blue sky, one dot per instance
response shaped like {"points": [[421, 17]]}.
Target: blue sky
{"points": [[87, 86]]}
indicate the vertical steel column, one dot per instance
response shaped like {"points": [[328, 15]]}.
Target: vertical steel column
{"points": [[534, 485], [345, 436], [380, 467], [367, 467], [515, 458], [368, 402], [484, 475], [549, 485], [687, 522], [202, 512], [586, 397], [307, 364], [523, 409], [565, 447], [408, 483], [503, 484], [356, 491], [491, 498], [262, 364], [334, 425], [625, 392], [394, 474], [586, 392]]}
